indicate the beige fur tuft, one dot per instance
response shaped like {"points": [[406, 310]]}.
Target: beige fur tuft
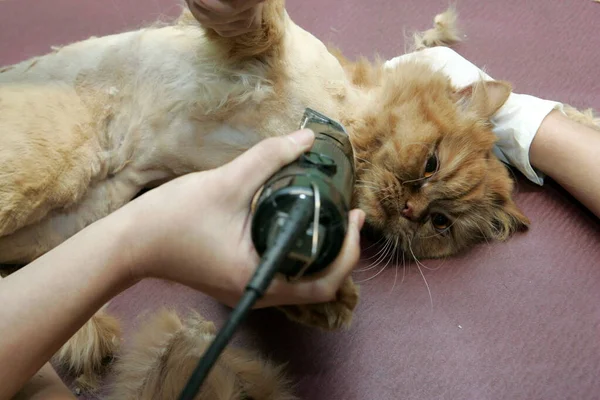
{"points": [[586, 117], [164, 352], [445, 32], [85, 354]]}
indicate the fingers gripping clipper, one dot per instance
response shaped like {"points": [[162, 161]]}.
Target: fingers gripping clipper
{"points": [[323, 176], [299, 223]]}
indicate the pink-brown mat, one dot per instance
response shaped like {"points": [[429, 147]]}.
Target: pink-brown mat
{"points": [[519, 320]]}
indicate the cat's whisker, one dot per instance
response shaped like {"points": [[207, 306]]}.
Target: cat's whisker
{"points": [[483, 235], [364, 160], [484, 221], [372, 183], [421, 272], [414, 180], [377, 262], [396, 263], [380, 254], [376, 170], [367, 182], [426, 267], [367, 187], [369, 162], [415, 258], [413, 254], [403, 268], [373, 245], [381, 270], [386, 197], [427, 285], [442, 264], [381, 250]]}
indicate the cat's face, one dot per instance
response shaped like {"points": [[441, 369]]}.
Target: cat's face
{"points": [[426, 175]]}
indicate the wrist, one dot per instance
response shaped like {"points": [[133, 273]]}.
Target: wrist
{"points": [[543, 145], [568, 152], [143, 238], [127, 251]]}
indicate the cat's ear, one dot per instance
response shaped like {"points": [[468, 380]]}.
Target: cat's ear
{"points": [[483, 98], [508, 219]]}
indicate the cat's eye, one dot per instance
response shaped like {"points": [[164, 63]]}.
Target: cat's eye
{"points": [[440, 221], [431, 166]]}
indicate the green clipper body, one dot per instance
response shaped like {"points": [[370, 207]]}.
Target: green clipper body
{"points": [[323, 176]]}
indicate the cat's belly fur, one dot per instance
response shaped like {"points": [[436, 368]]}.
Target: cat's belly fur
{"points": [[144, 107]]}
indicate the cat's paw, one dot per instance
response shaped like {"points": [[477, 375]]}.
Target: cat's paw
{"points": [[332, 315]]}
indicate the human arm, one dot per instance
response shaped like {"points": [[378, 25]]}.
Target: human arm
{"points": [[47, 301], [569, 152], [191, 230]]}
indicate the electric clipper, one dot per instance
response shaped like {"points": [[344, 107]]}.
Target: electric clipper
{"points": [[323, 176]]}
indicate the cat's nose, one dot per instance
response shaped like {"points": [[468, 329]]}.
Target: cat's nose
{"points": [[408, 212]]}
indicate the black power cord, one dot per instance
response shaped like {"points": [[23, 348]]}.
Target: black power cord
{"points": [[295, 225]]}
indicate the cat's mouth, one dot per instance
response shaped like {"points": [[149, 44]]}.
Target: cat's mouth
{"points": [[375, 235], [371, 232]]}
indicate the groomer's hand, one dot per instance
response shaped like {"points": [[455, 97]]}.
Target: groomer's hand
{"points": [[228, 17], [195, 230]]}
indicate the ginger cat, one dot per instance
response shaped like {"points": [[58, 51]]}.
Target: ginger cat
{"points": [[88, 126]]}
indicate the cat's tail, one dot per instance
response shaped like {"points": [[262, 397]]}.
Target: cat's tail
{"points": [[445, 32]]}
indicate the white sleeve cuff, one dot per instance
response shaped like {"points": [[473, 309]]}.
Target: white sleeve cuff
{"points": [[515, 125], [517, 121]]}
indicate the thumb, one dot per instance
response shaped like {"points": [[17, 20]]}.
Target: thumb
{"points": [[255, 166]]}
